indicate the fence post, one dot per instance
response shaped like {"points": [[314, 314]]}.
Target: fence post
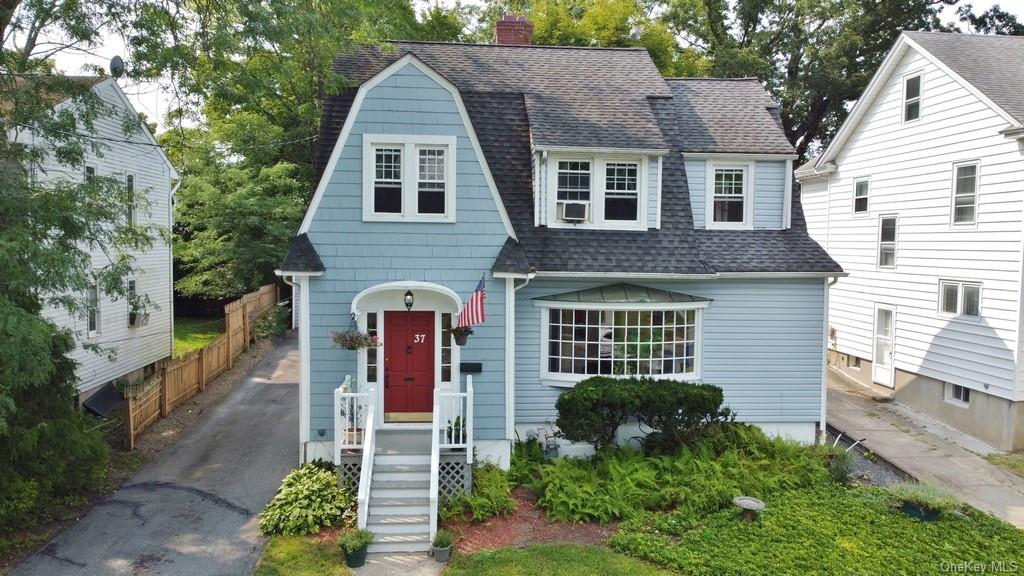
{"points": [[163, 391], [202, 368], [227, 330], [130, 408], [245, 323]]}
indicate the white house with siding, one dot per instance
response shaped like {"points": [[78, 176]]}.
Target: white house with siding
{"points": [[920, 198], [131, 341]]}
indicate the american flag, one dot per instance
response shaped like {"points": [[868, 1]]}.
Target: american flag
{"points": [[473, 311]]}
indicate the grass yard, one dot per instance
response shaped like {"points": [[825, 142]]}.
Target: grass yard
{"points": [[823, 530], [194, 333], [1014, 461], [300, 556], [554, 560]]}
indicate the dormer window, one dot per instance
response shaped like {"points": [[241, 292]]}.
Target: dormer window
{"points": [[408, 178], [597, 192], [911, 98], [730, 202]]}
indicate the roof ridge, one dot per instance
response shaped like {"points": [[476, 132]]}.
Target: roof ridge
{"points": [[963, 34], [713, 78], [546, 46]]}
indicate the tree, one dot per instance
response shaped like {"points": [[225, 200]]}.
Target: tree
{"points": [[995, 20]]}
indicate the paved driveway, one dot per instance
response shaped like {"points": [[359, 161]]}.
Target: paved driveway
{"points": [[192, 510]]}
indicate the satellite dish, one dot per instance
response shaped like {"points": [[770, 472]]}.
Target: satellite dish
{"points": [[116, 67]]}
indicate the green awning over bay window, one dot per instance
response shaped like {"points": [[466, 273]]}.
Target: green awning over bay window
{"points": [[623, 294]]}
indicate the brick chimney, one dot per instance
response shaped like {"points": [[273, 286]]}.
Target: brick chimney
{"points": [[514, 30]]}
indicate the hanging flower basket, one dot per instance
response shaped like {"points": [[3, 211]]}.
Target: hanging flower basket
{"points": [[354, 340], [461, 334]]}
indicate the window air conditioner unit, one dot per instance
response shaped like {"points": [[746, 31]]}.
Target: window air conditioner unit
{"points": [[573, 211]]}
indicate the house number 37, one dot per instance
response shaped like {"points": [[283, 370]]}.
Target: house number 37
{"points": [[419, 338]]}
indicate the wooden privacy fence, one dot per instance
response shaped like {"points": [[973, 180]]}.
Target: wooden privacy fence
{"points": [[178, 380]]}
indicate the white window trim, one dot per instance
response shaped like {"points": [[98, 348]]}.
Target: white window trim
{"points": [[903, 97], [99, 316], [853, 206], [895, 243], [559, 379], [595, 218], [748, 194], [977, 193], [410, 176], [948, 395], [959, 315]]}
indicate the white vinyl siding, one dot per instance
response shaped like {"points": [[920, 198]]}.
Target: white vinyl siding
{"points": [[911, 169]]}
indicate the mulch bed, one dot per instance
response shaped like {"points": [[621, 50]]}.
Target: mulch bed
{"points": [[527, 526]]}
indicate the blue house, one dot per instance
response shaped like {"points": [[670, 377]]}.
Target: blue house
{"points": [[601, 204]]}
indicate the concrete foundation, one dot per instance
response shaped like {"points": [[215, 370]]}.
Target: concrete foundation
{"points": [[994, 420]]}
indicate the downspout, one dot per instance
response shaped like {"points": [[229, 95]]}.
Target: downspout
{"points": [[824, 359], [510, 356]]}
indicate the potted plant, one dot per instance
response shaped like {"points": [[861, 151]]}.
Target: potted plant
{"points": [[461, 334], [456, 431], [353, 545], [442, 548], [922, 501], [354, 340]]}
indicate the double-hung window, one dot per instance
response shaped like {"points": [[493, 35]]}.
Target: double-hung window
{"points": [[598, 191], [90, 173], [960, 298], [729, 195], [587, 341], [887, 242], [129, 185], [572, 190], [92, 309], [911, 97], [861, 189], [409, 178], [965, 193], [621, 191]]}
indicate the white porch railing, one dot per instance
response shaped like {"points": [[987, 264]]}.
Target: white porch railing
{"points": [[354, 429], [452, 428]]}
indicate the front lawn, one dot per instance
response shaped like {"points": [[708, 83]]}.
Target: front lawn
{"points": [[828, 529], [1013, 461], [194, 333], [300, 556], [555, 560]]}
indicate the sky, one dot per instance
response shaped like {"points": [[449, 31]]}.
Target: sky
{"points": [[150, 99]]}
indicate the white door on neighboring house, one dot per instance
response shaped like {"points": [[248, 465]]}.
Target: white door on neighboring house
{"points": [[881, 371]]}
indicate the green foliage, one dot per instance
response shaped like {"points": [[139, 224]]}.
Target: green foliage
{"points": [[308, 499], [925, 495], [840, 465], [490, 497], [273, 323], [824, 529], [354, 541], [299, 556], [621, 483], [595, 408], [444, 538], [678, 412], [527, 458], [550, 559]]}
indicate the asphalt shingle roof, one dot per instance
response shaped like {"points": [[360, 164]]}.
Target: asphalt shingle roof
{"points": [[302, 257], [718, 115], [993, 64], [518, 95]]}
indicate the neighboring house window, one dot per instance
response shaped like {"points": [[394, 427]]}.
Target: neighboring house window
{"points": [[92, 303], [129, 184], [446, 347], [965, 193], [956, 394], [861, 189], [911, 98], [622, 342], [621, 192], [371, 353], [409, 178], [960, 298], [853, 362], [887, 242], [90, 173]]}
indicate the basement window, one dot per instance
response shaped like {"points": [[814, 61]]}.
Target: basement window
{"points": [[958, 395]]}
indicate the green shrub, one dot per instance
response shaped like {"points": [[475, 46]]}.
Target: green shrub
{"points": [[595, 408], [309, 499], [444, 539], [354, 541], [925, 496], [678, 412], [527, 458], [840, 465], [273, 323], [490, 496]]}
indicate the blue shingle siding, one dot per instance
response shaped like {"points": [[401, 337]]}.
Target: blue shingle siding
{"points": [[358, 255], [762, 345], [769, 192]]}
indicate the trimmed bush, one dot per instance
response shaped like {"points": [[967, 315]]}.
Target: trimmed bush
{"points": [[595, 408], [309, 499], [490, 496], [678, 412]]}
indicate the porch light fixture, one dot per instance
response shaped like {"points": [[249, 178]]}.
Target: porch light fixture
{"points": [[408, 300]]}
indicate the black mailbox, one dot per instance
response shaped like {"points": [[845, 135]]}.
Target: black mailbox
{"points": [[471, 367]]}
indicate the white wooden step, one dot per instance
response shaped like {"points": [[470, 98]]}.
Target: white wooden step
{"points": [[402, 459], [380, 475], [398, 528], [402, 483], [398, 492], [399, 519], [380, 468], [399, 506], [400, 543]]}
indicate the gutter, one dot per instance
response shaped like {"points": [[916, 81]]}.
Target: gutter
{"points": [[1015, 132]]}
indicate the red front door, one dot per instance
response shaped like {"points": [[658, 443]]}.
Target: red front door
{"points": [[408, 366]]}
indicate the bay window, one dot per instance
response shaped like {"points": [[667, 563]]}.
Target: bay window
{"points": [[409, 178]]}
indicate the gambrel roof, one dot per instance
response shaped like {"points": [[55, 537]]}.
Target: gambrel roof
{"points": [[520, 99]]}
